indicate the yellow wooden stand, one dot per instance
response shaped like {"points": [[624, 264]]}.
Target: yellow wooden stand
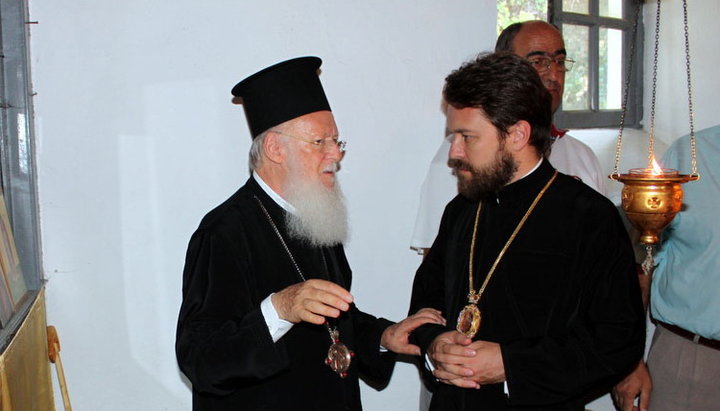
{"points": [[54, 356], [25, 378]]}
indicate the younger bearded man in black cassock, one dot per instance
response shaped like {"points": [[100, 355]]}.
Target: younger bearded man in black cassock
{"points": [[533, 269], [267, 321]]}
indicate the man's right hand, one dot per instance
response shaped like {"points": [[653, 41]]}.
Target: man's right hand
{"points": [[311, 301], [637, 383]]}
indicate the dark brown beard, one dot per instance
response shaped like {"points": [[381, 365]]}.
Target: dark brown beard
{"points": [[487, 181]]}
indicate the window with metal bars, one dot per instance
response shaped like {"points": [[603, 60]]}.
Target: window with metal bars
{"points": [[601, 36]]}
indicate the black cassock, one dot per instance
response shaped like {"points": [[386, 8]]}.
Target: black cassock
{"points": [[234, 261], [564, 303]]}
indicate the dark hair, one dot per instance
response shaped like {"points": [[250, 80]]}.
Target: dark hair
{"points": [[507, 37], [507, 89]]}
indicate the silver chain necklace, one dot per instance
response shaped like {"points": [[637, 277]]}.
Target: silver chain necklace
{"points": [[339, 355]]}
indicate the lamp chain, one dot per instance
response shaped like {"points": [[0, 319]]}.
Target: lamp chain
{"points": [[651, 146], [631, 57], [693, 152]]}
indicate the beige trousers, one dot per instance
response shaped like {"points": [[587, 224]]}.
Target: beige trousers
{"points": [[685, 375]]}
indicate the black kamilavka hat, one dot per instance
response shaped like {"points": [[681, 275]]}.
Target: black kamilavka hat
{"points": [[281, 92]]}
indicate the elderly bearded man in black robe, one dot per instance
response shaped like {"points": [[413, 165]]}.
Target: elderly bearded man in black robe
{"points": [[267, 321], [533, 269]]}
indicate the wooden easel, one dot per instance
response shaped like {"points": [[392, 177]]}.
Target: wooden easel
{"points": [[54, 355]]}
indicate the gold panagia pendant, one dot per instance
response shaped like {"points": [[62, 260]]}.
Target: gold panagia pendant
{"points": [[468, 321], [338, 358], [339, 355]]}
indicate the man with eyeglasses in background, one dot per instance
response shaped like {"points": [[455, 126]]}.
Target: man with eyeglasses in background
{"points": [[542, 44], [267, 321]]}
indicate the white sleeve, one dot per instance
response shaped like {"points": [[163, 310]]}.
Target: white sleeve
{"points": [[276, 325], [575, 158], [439, 187]]}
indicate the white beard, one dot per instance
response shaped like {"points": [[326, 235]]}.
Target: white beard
{"points": [[320, 216]]}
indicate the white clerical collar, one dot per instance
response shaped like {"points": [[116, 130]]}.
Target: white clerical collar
{"points": [[533, 169], [275, 196], [497, 197]]}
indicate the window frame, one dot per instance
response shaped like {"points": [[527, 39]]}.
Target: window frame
{"points": [[594, 117], [17, 156]]}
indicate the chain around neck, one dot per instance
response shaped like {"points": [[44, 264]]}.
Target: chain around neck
{"points": [[474, 296]]}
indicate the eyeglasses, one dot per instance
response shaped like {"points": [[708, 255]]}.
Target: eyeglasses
{"points": [[324, 144], [542, 63]]}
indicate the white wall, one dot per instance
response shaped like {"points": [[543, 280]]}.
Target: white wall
{"points": [[137, 139], [671, 117]]}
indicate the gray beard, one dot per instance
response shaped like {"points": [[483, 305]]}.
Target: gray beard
{"points": [[320, 216]]}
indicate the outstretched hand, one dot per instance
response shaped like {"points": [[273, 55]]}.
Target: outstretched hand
{"points": [[311, 301], [396, 337]]}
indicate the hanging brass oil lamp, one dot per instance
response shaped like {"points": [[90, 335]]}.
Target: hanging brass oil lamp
{"points": [[652, 196]]}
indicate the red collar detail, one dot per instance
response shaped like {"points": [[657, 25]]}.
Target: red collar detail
{"points": [[556, 132]]}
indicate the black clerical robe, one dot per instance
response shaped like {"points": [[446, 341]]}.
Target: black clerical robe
{"points": [[564, 302], [234, 261]]}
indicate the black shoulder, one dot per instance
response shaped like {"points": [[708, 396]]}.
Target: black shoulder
{"points": [[231, 213], [582, 204]]}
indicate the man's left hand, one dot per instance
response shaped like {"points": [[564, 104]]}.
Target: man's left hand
{"points": [[486, 365], [395, 337]]}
